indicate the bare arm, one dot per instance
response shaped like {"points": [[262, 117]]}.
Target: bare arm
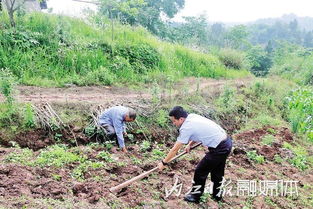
{"points": [[172, 153]]}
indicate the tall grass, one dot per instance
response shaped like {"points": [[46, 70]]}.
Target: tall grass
{"points": [[300, 115], [296, 66], [50, 50]]}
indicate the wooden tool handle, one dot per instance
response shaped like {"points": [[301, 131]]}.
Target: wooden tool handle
{"points": [[141, 176]]}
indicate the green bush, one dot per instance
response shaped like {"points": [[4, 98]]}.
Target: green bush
{"points": [[260, 61], [139, 55], [101, 76], [233, 59], [296, 66]]}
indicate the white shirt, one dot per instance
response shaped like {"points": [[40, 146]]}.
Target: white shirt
{"points": [[200, 129]]}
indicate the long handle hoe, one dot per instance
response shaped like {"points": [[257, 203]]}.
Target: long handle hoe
{"points": [[141, 176]]}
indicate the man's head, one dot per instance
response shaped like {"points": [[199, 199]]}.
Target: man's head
{"points": [[178, 115], [131, 115]]}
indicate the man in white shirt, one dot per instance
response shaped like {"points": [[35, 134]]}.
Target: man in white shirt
{"points": [[195, 128]]}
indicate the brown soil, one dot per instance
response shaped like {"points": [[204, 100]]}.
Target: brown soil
{"points": [[35, 183], [117, 95], [17, 180]]}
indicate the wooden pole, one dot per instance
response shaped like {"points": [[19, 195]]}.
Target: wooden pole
{"points": [[143, 175]]}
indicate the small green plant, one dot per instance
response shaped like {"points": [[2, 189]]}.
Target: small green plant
{"points": [[252, 155], [156, 93], [161, 118], [204, 197], [301, 159], [145, 146], [105, 156], [58, 137], [58, 156], [268, 140], [56, 177], [29, 117], [157, 154], [7, 83], [121, 164], [227, 101], [22, 156], [80, 171], [278, 159], [90, 130], [136, 161], [271, 131], [108, 145]]}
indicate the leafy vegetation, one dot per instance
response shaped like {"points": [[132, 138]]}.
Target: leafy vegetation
{"points": [[48, 50], [300, 106], [252, 155]]}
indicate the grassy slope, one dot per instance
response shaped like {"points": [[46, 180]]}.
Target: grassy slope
{"points": [[48, 50]]}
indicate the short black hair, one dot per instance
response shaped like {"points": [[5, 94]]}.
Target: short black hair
{"points": [[178, 112], [132, 113]]}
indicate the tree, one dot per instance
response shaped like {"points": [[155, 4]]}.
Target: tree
{"points": [[260, 61], [150, 14], [115, 9], [12, 6], [237, 36], [308, 39], [194, 31], [144, 12], [217, 35]]}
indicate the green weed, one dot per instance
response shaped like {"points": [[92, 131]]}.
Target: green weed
{"points": [[252, 155]]}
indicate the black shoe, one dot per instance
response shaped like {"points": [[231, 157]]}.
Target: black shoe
{"points": [[192, 198]]}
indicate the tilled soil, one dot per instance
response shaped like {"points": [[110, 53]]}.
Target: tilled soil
{"points": [[39, 183]]}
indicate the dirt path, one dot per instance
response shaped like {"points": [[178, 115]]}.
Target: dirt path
{"points": [[105, 94]]}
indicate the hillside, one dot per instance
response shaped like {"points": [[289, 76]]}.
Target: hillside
{"points": [[304, 23], [48, 50], [57, 74]]}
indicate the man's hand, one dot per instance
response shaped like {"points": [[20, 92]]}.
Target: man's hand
{"points": [[125, 133], [124, 150], [161, 166], [187, 148]]}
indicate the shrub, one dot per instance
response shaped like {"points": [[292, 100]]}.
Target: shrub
{"points": [[100, 76], [232, 58], [139, 54]]}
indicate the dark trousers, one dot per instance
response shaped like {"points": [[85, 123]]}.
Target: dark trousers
{"points": [[214, 163]]}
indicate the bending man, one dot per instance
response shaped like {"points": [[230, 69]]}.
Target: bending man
{"points": [[113, 121], [195, 128]]}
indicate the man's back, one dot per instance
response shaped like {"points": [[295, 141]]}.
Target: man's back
{"points": [[201, 129], [112, 115]]}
